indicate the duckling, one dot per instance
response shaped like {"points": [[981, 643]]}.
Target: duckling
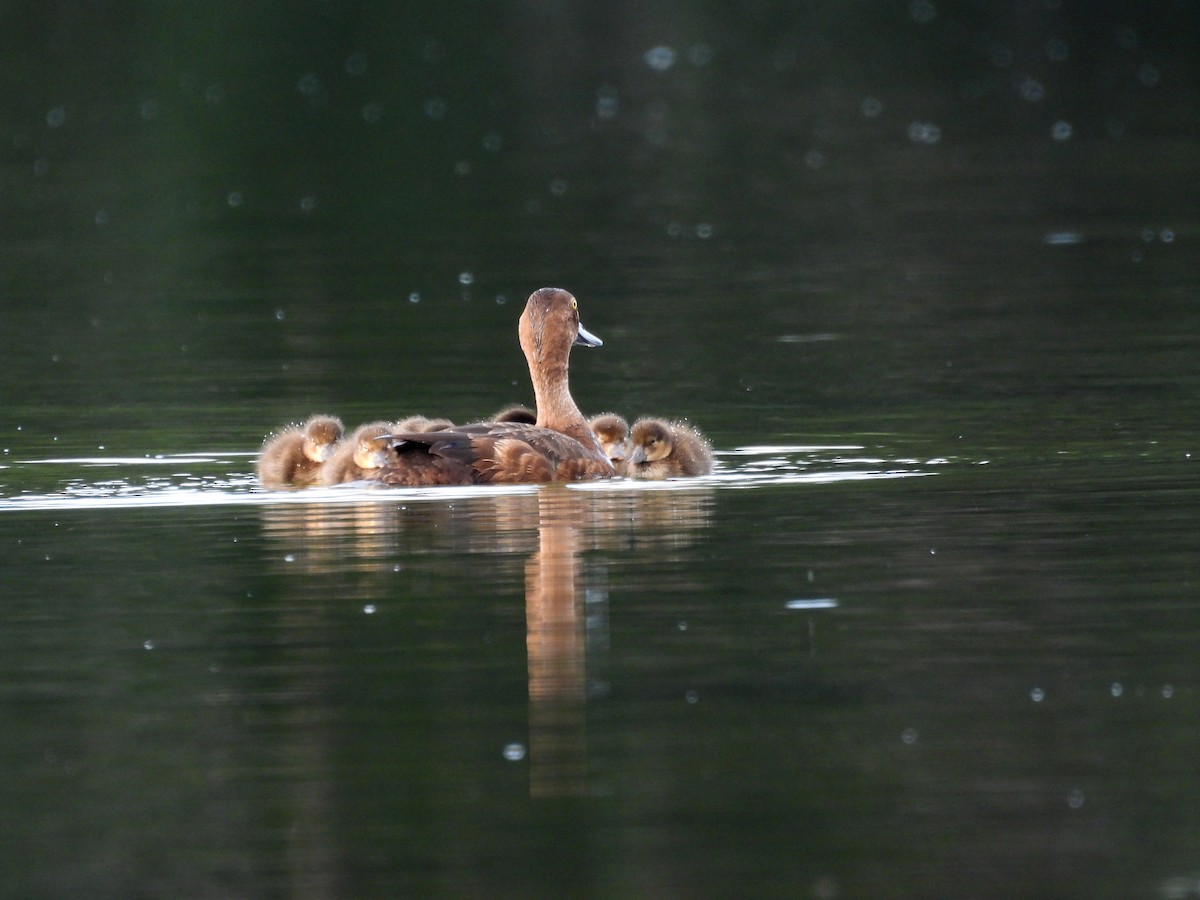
{"points": [[361, 456], [294, 456], [664, 449], [422, 423], [612, 431], [516, 413]]}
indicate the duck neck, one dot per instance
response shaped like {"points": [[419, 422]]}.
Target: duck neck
{"points": [[556, 408]]}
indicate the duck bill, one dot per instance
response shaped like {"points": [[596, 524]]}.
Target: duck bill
{"points": [[586, 339], [638, 456]]}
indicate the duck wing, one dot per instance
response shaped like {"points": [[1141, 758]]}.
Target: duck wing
{"points": [[505, 452]]}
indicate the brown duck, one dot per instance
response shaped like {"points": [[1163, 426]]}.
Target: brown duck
{"points": [[558, 447], [294, 456], [664, 449], [612, 431], [361, 456]]}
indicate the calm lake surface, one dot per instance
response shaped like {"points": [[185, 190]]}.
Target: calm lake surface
{"points": [[927, 274]]}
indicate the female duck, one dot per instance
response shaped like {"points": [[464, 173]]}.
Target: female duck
{"points": [[664, 449], [293, 457], [558, 447]]}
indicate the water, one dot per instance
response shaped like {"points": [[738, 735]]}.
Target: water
{"points": [[929, 628]]}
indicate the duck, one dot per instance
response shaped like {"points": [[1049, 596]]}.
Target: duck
{"points": [[612, 431], [293, 457], [516, 412], [422, 423], [359, 457], [662, 449], [558, 446]]}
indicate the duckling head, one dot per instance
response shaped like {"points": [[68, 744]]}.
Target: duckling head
{"points": [[371, 448], [651, 441], [321, 433], [612, 432]]}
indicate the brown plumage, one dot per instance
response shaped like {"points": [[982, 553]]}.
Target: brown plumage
{"points": [[422, 423], [612, 431], [293, 457], [664, 449], [516, 413], [361, 456], [558, 447]]}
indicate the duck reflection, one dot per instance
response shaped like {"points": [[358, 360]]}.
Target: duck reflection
{"points": [[566, 597]]}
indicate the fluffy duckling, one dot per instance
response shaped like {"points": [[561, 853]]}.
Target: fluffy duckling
{"points": [[422, 423], [612, 431], [516, 413], [664, 449], [361, 456], [294, 456]]}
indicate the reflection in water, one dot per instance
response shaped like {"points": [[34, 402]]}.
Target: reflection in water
{"points": [[565, 601]]}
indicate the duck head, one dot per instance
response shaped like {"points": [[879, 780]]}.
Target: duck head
{"points": [[651, 441], [321, 433], [550, 327]]}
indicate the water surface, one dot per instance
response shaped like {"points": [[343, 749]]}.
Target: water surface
{"points": [[926, 275]]}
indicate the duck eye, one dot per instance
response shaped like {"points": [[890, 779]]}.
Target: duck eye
{"points": [[574, 303]]}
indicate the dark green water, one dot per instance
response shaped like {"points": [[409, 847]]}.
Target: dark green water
{"points": [[927, 274]]}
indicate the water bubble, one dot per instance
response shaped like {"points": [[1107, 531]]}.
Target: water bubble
{"points": [[1037, 695], [1057, 49], [682, 626], [462, 167], [1148, 74], [501, 299], [466, 278], [1168, 691], [289, 557], [149, 109], [435, 108], [700, 55], [369, 609], [607, 102], [56, 117], [1166, 235], [1116, 689], [1032, 90], [924, 133], [148, 645], [280, 315], [692, 697], [309, 85], [922, 11], [872, 107], [909, 735], [1147, 235], [493, 141], [308, 204], [558, 187], [675, 229], [372, 113], [102, 217], [414, 297], [1061, 130], [660, 58], [704, 231], [234, 199], [1075, 799], [356, 64], [514, 752], [814, 159], [41, 166]]}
